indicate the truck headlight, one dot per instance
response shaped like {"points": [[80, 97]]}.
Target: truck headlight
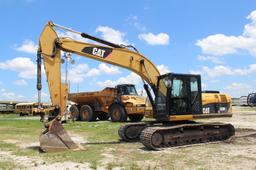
{"points": [[128, 104]]}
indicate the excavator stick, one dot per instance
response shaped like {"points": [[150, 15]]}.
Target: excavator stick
{"points": [[56, 139]]}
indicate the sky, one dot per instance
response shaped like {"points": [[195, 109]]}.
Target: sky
{"points": [[216, 39]]}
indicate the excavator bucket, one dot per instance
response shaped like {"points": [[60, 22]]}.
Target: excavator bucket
{"points": [[56, 139]]}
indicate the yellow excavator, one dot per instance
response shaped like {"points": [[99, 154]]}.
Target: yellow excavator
{"points": [[175, 98], [216, 102]]}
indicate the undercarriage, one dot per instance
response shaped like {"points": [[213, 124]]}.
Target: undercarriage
{"points": [[156, 135]]}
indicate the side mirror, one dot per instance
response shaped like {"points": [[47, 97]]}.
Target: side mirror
{"points": [[141, 93], [168, 83]]}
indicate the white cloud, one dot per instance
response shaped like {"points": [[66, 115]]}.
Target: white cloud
{"points": [[221, 70], [79, 72], [27, 46], [106, 83], [108, 69], [93, 72], [213, 59], [163, 69], [71, 35], [8, 95], [45, 97], [132, 78], [146, 8], [23, 66], [21, 82], [203, 85], [220, 44], [112, 35], [239, 89], [155, 39], [249, 29], [134, 21], [236, 86]]}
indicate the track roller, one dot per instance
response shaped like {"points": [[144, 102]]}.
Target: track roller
{"points": [[155, 138], [131, 132]]}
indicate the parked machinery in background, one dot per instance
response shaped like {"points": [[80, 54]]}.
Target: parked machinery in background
{"points": [[235, 101], [31, 108], [243, 101], [251, 99], [7, 106], [118, 103]]}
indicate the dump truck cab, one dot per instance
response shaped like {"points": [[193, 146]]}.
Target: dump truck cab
{"points": [[126, 89], [127, 104]]}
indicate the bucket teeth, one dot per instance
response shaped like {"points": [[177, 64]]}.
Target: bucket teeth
{"points": [[56, 139]]}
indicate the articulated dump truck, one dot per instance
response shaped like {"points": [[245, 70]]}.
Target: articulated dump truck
{"points": [[118, 103]]}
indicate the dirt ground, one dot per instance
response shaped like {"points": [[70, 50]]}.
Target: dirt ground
{"points": [[239, 152]]}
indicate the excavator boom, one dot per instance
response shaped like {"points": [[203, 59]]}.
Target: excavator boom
{"points": [[55, 138], [50, 46]]}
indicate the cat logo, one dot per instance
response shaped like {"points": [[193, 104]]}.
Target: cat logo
{"points": [[98, 52], [102, 52]]}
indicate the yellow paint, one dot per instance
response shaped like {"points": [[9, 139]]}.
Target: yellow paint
{"points": [[122, 57], [181, 117]]}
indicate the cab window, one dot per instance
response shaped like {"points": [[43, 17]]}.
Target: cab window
{"points": [[179, 88], [131, 90]]}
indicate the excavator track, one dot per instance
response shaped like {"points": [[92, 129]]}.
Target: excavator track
{"points": [[131, 132], [155, 138]]}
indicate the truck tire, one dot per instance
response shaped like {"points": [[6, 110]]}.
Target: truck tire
{"points": [[117, 113], [135, 117], [103, 116], [74, 112], [87, 114]]}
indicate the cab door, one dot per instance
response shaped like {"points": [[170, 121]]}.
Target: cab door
{"points": [[185, 95]]}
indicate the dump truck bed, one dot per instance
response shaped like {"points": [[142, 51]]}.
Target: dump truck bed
{"points": [[91, 96], [101, 98]]}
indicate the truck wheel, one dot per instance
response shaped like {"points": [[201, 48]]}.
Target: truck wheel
{"points": [[74, 112], [135, 117], [117, 113], [87, 114], [103, 116]]}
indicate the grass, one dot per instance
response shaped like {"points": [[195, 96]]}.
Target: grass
{"points": [[8, 165], [98, 135], [96, 131], [102, 147]]}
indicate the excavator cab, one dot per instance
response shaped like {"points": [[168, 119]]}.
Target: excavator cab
{"points": [[183, 95]]}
